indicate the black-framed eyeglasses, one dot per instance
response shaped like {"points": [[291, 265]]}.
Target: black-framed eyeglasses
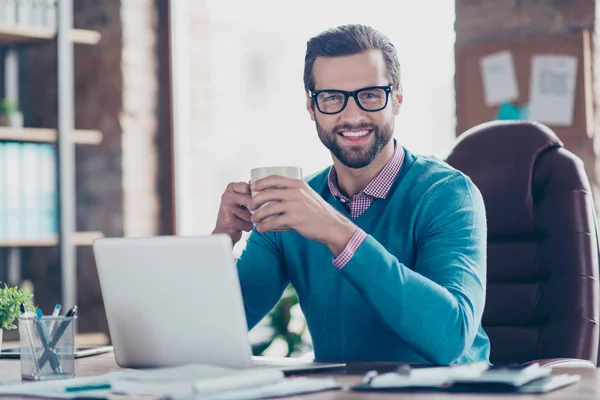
{"points": [[371, 99]]}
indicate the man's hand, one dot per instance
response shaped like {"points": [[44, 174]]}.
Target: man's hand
{"points": [[297, 206], [234, 216]]}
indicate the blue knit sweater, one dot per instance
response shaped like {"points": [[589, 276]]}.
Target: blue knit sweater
{"points": [[413, 292]]}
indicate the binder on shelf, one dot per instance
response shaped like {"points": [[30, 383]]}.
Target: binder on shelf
{"points": [[32, 204], [50, 13], [28, 13], [8, 12], [3, 188], [37, 16], [28, 192], [49, 191], [12, 182], [25, 12]]}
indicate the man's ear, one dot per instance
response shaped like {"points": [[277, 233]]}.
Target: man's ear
{"points": [[310, 106], [397, 98]]}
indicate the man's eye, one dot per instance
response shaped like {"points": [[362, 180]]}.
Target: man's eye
{"points": [[331, 97]]}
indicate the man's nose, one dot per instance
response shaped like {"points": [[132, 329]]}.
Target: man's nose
{"points": [[352, 113]]}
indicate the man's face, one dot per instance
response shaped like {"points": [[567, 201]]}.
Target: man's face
{"points": [[354, 136]]}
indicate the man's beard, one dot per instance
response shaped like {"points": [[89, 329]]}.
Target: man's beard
{"points": [[356, 156]]}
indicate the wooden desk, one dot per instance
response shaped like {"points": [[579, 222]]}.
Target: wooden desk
{"points": [[588, 388]]}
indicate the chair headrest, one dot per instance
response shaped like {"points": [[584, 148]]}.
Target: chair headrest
{"points": [[499, 157]]}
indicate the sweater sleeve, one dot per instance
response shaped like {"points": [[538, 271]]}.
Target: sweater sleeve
{"points": [[437, 307], [262, 274]]}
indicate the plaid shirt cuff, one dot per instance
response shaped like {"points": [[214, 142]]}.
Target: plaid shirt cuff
{"points": [[346, 255]]}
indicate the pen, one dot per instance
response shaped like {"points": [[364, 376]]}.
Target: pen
{"points": [[56, 310], [404, 370], [45, 338], [58, 334], [25, 314], [97, 386], [54, 314], [368, 378]]}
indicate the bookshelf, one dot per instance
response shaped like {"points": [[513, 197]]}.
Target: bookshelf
{"points": [[14, 36], [46, 135], [79, 239], [18, 35]]}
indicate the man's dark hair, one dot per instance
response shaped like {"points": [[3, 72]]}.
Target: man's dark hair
{"points": [[348, 40]]}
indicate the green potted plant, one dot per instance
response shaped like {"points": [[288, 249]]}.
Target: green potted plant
{"points": [[11, 298], [10, 114], [281, 324]]}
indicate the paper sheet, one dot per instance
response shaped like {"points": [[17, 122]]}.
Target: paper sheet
{"points": [[201, 381], [499, 79], [552, 89], [285, 387], [193, 379], [54, 389], [288, 387]]}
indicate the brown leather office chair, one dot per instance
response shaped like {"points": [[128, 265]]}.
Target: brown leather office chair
{"points": [[542, 267]]}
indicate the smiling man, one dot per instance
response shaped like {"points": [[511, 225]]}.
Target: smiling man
{"points": [[387, 249]]}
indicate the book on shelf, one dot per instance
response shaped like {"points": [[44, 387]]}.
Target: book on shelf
{"points": [[28, 13], [28, 191], [3, 194], [8, 12]]}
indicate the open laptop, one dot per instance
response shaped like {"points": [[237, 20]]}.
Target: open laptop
{"points": [[173, 300]]}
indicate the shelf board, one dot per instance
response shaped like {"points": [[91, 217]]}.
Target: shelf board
{"points": [[81, 339], [47, 135], [80, 239], [17, 34]]}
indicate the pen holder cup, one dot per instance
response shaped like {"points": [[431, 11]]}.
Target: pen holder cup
{"points": [[47, 347]]}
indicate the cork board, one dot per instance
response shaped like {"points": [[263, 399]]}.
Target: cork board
{"points": [[471, 108]]}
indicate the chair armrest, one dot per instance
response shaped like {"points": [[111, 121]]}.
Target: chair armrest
{"points": [[563, 363]]}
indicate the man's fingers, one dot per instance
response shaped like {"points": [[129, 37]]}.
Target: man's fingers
{"points": [[233, 224], [239, 187], [243, 225], [279, 222], [270, 195], [242, 213], [268, 210], [236, 199]]}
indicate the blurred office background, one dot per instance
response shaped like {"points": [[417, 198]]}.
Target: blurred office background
{"points": [[174, 99]]}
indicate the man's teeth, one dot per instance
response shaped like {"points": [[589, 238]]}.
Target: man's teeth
{"points": [[355, 134]]}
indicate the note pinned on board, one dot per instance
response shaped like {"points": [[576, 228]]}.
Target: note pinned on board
{"points": [[499, 78], [552, 89], [508, 112]]}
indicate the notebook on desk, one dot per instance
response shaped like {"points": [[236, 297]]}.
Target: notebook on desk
{"points": [[173, 300], [519, 379], [470, 378], [293, 365]]}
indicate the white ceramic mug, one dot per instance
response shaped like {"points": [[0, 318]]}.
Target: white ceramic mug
{"points": [[263, 172]]}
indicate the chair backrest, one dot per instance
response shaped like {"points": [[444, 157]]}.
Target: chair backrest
{"points": [[542, 266]]}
